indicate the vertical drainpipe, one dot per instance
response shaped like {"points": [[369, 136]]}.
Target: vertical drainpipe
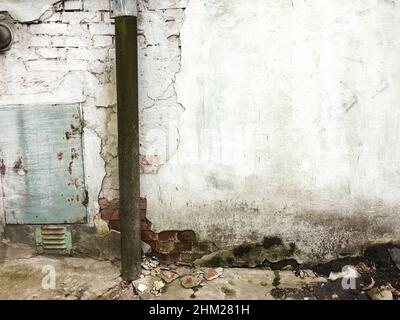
{"points": [[125, 14]]}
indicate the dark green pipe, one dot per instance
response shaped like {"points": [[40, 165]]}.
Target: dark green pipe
{"points": [[128, 144]]}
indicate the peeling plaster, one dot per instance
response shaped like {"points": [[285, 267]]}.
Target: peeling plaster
{"points": [[289, 142], [294, 139], [93, 172], [65, 58], [26, 10]]}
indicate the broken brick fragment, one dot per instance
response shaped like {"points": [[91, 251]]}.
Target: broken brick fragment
{"points": [[167, 236], [211, 274], [109, 209], [109, 214], [189, 282]]}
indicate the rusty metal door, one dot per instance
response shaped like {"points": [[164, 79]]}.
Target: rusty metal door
{"points": [[41, 165]]}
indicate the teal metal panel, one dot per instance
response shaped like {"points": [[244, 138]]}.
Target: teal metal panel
{"points": [[41, 165]]}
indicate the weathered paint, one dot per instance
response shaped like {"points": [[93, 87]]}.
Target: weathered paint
{"points": [[26, 10], [53, 239], [42, 169]]}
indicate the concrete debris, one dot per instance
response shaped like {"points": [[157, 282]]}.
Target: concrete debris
{"points": [[124, 291], [154, 263], [146, 272], [101, 226], [151, 264], [155, 272], [145, 266], [189, 282], [349, 272], [381, 293], [141, 287], [146, 249], [303, 274], [168, 276], [145, 284], [158, 285], [182, 271]]}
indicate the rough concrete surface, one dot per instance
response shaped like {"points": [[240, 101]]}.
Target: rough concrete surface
{"points": [[24, 275]]}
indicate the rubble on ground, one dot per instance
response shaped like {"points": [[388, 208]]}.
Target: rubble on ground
{"points": [[155, 277], [376, 278], [381, 293]]}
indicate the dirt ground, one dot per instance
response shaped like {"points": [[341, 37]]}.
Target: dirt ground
{"points": [[22, 272], [376, 268]]}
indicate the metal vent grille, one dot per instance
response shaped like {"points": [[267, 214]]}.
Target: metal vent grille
{"points": [[53, 240]]}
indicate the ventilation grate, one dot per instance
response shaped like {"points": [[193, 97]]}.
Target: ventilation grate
{"points": [[53, 240]]}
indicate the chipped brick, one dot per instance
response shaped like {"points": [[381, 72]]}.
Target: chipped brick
{"points": [[148, 235], [167, 236]]}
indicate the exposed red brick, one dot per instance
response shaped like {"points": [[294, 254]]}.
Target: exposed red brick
{"points": [[167, 236], [183, 246], [104, 203], [211, 273], [109, 209], [187, 235], [149, 160], [143, 203], [114, 203], [170, 257], [190, 256], [168, 245], [190, 281], [109, 214], [114, 225], [152, 244], [145, 224], [206, 246], [148, 235], [165, 247]]}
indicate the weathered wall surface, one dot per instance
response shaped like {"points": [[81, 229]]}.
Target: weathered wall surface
{"points": [[64, 54], [289, 127], [260, 118]]}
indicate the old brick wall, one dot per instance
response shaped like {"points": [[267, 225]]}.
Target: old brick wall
{"points": [[66, 55], [169, 245], [253, 121]]}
